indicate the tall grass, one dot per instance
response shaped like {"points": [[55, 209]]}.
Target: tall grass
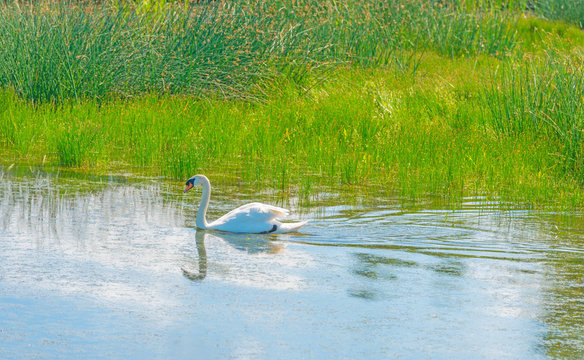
{"points": [[51, 51], [167, 92], [418, 136], [51, 54], [471, 34], [544, 96], [519, 5], [569, 11]]}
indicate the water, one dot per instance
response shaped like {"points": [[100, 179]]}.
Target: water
{"points": [[112, 268]]}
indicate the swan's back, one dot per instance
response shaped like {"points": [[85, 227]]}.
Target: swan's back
{"points": [[251, 218]]}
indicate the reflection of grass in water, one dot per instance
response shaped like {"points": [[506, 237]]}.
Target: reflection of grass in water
{"points": [[364, 294], [563, 338], [373, 260], [453, 268], [375, 267]]}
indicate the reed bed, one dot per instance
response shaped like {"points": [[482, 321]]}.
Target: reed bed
{"points": [[53, 51], [423, 99], [544, 96], [373, 131], [568, 11]]}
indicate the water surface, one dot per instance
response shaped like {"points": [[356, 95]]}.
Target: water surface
{"points": [[112, 267]]}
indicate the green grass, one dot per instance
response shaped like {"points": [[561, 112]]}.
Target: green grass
{"points": [[569, 11], [421, 136], [411, 99], [544, 97], [54, 51]]}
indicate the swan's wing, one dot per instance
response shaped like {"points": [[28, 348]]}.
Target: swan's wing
{"points": [[253, 212]]}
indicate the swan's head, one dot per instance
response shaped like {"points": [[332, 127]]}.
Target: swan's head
{"points": [[196, 180]]}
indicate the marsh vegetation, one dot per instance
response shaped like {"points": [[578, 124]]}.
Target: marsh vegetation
{"points": [[435, 146], [420, 98]]}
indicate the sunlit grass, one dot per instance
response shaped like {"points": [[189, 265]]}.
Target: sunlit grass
{"points": [[54, 51], [415, 99], [544, 97], [568, 11], [420, 136]]}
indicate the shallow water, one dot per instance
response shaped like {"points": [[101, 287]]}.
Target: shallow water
{"points": [[110, 267]]}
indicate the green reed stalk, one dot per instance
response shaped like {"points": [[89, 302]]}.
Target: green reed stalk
{"points": [[543, 96], [53, 51], [568, 11]]}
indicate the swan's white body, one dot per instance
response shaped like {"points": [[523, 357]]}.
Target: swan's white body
{"points": [[253, 218]]}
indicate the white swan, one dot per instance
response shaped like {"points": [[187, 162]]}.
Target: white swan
{"points": [[253, 218]]}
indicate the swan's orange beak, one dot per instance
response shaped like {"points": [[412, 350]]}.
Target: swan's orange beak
{"points": [[189, 186]]}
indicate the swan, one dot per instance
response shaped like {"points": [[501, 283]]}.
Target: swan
{"points": [[253, 218]]}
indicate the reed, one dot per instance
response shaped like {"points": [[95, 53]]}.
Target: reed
{"points": [[53, 51], [568, 11], [543, 96], [423, 113], [419, 136]]}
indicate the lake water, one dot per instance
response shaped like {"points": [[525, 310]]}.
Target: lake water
{"points": [[112, 268]]}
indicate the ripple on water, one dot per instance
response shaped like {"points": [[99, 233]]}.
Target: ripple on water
{"points": [[86, 262]]}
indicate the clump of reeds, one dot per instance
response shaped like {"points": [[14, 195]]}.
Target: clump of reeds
{"points": [[543, 96], [62, 52], [569, 11], [51, 51]]}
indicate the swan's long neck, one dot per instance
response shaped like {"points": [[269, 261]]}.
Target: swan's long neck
{"points": [[201, 220]]}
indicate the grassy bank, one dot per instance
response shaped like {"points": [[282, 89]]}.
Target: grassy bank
{"points": [[428, 134], [476, 103]]}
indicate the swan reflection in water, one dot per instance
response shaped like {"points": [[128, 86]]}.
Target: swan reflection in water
{"points": [[247, 243], [202, 254]]}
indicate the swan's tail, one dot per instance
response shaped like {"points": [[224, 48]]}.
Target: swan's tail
{"points": [[290, 227]]}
